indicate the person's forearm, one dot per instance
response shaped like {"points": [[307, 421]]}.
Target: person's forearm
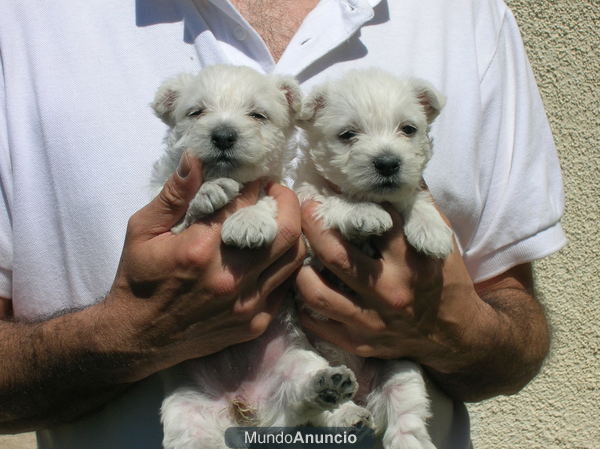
{"points": [[512, 340], [56, 370], [172, 296]]}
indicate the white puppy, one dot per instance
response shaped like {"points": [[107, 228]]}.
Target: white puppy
{"points": [[237, 122], [367, 143]]}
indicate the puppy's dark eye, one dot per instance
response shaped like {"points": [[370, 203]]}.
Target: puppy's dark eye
{"points": [[258, 116], [409, 130], [347, 135], [195, 113]]}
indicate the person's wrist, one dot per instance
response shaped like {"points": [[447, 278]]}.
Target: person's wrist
{"points": [[115, 338], [465, 327]]}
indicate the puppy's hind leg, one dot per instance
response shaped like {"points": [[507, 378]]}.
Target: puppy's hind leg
{"points": [[309, 386], [346, 415], [400, 406], [191, 420]]}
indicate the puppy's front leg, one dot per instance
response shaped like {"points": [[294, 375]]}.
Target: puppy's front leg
{"points": [[425, 229], [253, 226], [354, 220], [211, 196]]}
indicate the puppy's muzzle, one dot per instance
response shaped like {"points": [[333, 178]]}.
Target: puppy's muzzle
{"points": [[223, 137], [386, 165]]}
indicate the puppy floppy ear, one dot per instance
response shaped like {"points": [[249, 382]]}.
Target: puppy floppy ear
{"points": [[291, 89], [430, 98], [312, 103], [165, 99]]}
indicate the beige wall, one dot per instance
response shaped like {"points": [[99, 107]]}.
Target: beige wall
{"points": [[561, 408]]}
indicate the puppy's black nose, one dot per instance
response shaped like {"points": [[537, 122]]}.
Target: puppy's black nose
{"points": [[386, 164], [223, 137]]}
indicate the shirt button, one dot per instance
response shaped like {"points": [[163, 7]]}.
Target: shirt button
{"points": [[351, 5], [240, 33]]}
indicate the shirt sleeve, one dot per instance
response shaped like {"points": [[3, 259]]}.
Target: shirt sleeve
{"points": [[6, 248], [523, 194]]}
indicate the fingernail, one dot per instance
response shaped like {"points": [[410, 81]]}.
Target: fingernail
{"points": [[184, 167]]}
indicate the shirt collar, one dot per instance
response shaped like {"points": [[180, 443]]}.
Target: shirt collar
{"points": [[340, 18], [330, 24]]}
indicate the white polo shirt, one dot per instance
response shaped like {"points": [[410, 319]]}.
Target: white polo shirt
{"points": [[78, 139]]}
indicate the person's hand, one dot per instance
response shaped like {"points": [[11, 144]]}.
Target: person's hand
{"points": [[174, 297], [404, 304], [188, 295], [475, 341]]}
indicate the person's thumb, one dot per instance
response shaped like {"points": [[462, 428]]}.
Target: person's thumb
{"points": [[170, 205]]}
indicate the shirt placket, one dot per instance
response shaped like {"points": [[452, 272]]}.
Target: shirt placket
{"points": [[330, 24], [244, 34]]}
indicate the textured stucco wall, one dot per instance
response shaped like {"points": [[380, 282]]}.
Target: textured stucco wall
{"points": [[561, 407]]}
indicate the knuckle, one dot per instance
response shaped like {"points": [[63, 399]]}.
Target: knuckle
{"points": [[317, 300], [364, 351], [308, 293], [398, 302], [314, 299], [245, 311], [197, 254], [135, 224], [377, 327], [256, 328], [337, 258], [252, 323], [171, 197], [223, 284], [320, 302], [202, 248], [290, 233], [396, 298]]}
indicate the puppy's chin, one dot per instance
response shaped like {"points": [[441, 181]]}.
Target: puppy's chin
{"points": [[223, 164], [384, 189], [387, 185]]}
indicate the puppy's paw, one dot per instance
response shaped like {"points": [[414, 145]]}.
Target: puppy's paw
{"points": [[432, 237], [370, 219], [331, 387], [213, 195], [250, 227], [367, 219], [350, 415]]}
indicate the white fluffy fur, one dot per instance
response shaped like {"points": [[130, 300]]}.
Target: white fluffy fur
{"points": [[259, 111], [341, 173], [368, 143], [277, 379]]}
